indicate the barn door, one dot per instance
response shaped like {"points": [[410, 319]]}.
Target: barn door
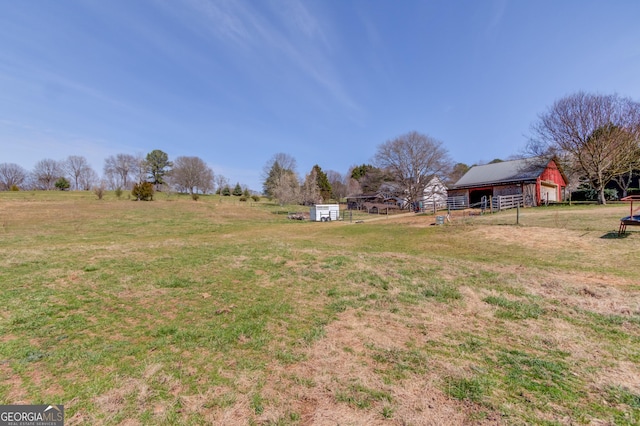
{"points": [[548, 192]]}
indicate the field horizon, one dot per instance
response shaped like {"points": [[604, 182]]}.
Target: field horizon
{"points": [[226, 312]]}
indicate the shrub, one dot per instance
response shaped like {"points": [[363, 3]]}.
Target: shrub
{"points": [[591, 194], [14, 188], [62, 184], [99, 191], [243, 198], [255, 198], [118, 192], [143, 191], [195, 197]]}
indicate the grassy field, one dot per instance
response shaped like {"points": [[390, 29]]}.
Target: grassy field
{"points": [[223, 312]]}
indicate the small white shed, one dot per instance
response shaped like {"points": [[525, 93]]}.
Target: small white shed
{"points": [[324, 212]]}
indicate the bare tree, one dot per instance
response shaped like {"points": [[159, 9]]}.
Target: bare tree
{"points": [[287, 189], [338, 184], [11, 176], [120, 170], [596, 136], [45, 174], [140, 169], [88, 179], [311, 193], [353, 187], [412, 160], [624, 180], [78, 170], [221, 182], [191, 174]]}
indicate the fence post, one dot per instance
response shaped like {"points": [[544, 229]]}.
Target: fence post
{"points": [[518, 215]]}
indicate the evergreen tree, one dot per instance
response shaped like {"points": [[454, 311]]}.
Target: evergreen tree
{"points": [[158, 165], [323, 183], [272, 180], [360, 171], [62, 184], [237, 190], [369, 177]]}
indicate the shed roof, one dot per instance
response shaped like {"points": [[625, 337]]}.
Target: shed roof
{"points": [[522, 170]]}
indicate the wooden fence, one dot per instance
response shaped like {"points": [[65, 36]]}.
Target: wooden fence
{"points": [[506, 202]]}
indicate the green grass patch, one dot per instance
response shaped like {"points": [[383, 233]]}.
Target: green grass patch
{"points": [[543, 379], [362, 397], [514, 309], [471, 389], [442, 291], [622, 395]]}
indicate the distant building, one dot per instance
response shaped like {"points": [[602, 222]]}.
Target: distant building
{"points": [[391, 196], [538, 179], [435, 194]]}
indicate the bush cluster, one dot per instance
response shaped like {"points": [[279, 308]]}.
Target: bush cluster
{"points": [[143, 191], [591, 194]]}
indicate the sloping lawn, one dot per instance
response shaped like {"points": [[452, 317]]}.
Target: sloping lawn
{"points": [[220, 311]]}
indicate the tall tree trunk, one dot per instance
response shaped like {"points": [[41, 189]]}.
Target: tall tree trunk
{"points": [[601, 198]]}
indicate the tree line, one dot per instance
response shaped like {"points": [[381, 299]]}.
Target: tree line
{"points": [[121, 172], [595, 138]]}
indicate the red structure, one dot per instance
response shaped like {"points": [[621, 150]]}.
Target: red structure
{"points": [[538, 179], [630, 220]]}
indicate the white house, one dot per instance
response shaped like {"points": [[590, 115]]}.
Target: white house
{"points": [[435, 195]]}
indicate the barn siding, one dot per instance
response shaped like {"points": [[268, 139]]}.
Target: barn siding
{"points": [[499, 191], [552, 175], [530, 187], [529, 192]]}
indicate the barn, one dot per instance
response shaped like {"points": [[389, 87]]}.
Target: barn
{"points": [[539, 180]]}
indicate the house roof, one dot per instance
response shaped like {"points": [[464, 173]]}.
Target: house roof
{"points": [[522, 170]]}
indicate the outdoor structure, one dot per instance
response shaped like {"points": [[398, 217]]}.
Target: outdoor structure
{"points": [[434, 196], [391, 197], [631, 220], [324, 212], [527, 182], [377, 200]]}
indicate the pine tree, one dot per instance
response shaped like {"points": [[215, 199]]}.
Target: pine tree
{"points": [[158, 166], [323, 183]]}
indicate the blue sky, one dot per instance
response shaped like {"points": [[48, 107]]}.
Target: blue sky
{"points": [[325, 81]]}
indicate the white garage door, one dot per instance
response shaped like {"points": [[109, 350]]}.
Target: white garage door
{"points": [[548, 192]]}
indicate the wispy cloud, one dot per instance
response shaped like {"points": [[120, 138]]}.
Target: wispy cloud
{"points": [[498, 9], [297, 16], [297, 35], [226, 19]]}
